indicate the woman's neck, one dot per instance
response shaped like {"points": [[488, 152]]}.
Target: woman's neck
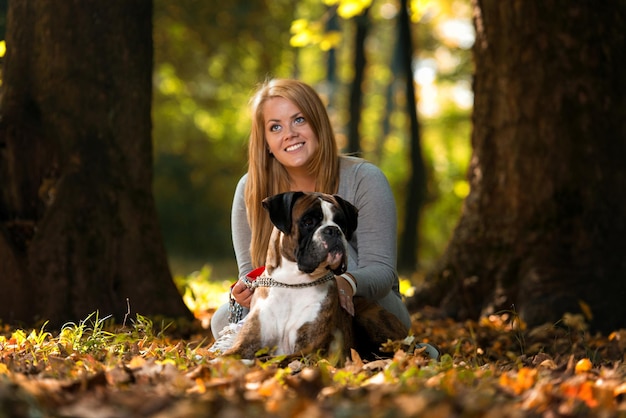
{"points": [[300, 182]]}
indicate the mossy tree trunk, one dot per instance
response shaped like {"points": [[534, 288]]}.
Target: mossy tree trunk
{"points": [[543, 231], [79, 230]]}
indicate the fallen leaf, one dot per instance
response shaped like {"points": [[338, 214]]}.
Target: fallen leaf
{"points": [[583, 366]]}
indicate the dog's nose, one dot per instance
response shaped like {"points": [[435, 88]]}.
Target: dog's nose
{"points": [[332, 231]]}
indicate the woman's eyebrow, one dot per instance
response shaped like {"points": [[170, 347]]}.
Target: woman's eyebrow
{"points": [[290, 117]]}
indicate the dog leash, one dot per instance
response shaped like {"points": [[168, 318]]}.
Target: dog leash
{"points": [[265, 281], [255, 279]]}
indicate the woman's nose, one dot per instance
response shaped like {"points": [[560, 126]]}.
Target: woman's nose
{"points": [[291, 131]]}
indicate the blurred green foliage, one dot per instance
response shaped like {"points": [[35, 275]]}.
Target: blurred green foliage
{"points": [[210, 55]]}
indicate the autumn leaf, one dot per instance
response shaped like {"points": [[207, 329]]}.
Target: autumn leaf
{"points": [[490, 367], [583, 366], [519, 381]]}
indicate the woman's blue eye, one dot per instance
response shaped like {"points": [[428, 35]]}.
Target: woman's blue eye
{"points": [[274, 128], [299, 120]]}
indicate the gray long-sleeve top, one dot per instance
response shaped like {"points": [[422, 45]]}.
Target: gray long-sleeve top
{"points": [[372, 249]]}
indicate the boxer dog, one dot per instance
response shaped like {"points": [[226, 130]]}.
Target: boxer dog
{"points": [[295, 307]]}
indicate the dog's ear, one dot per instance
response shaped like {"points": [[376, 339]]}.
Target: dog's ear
{"points": [[351, 213], [279, 208]]}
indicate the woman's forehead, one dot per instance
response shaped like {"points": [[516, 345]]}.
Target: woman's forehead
{"points": [[278, 107]]}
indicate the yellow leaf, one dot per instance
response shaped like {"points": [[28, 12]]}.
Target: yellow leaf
{"points": [[299, 25], [301, 39], [330, 40], [166, 361], [406, 287], [4, 369], [461, 188], [418, 8], [350, 8]]}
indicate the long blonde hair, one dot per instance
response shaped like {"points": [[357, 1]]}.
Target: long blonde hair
{"points": [[266, 176]]}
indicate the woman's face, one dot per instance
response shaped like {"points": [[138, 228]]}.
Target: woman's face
{"points": [[289, 135]]}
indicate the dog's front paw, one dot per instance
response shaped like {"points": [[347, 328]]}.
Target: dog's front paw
{"points": [[226, 338]]}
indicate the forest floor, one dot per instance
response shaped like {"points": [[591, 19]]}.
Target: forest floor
{"points": [[491, 368]]}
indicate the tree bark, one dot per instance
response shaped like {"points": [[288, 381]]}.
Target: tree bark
{"points": [[543, 229], [78, 221], [356, 89], [416, 185]]}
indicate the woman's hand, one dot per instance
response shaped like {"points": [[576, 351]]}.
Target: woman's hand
{"points": [[345, 294], [242, 294]]}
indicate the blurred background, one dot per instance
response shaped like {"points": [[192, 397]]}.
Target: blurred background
{"points": [[209, 57]]}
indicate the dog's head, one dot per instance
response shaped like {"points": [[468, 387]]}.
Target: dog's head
{"points": [[315, 229]]}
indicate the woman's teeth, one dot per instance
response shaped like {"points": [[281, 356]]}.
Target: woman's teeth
{"points": [[294, 147]]}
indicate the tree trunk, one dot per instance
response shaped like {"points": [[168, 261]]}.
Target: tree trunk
{"points": [[332, 83], [543, 229], [416, 185], [78, 221], [356, 90]]}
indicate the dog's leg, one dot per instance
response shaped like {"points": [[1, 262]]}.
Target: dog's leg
{"points": [[373, 326], [332, 326], [321, 334], [248, 341]]}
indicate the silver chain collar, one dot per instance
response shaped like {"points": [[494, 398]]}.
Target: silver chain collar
{"points": [[264, 281]]}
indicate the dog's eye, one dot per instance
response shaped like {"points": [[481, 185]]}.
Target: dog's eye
{"points": [[309, 221], [340, 220]]}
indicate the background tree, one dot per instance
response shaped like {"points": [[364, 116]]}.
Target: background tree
{"points": [[416, 184], [362, 24], [78, 226], [543, 228]]}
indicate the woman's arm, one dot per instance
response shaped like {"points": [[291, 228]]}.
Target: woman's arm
{"points": [[241, 234], [376, 233]]}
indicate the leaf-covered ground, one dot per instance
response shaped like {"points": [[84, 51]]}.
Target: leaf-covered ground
{"points": [[491, 368]]}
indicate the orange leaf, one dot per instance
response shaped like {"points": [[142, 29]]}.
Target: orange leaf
{"points": [[582, 391], [524, 380], [200, 386], [586, 394], [583, 366]]}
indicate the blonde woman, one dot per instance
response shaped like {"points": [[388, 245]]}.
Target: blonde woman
{"points": [[292, 147]]}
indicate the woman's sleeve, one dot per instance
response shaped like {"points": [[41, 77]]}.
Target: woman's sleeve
{"points": [[376, 273], [241, 233]]}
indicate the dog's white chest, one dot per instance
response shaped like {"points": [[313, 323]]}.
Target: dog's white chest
{"points": [[284, 311]]}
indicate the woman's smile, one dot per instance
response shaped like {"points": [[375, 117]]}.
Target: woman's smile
{"points": [[294, 147]]}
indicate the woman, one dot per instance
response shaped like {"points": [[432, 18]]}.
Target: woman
{"points": [[293, 148]]}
